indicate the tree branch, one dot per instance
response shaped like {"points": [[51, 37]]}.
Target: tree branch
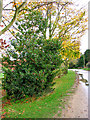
{"points": [[7, 4], [17, 11], [68, 30], [22, 5], [15, 3], [8, 9], [8, 29], [9, 22], [13, 19], [57, 18], [40, 5]]}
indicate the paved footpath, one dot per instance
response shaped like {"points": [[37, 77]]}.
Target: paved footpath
{"points": [[78, 104]]}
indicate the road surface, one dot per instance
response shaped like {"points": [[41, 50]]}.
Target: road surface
{"points": [[77, 105]]}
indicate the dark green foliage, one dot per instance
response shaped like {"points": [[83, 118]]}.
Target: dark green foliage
{"points": [[87, 56], [71, 65], [80, 62], [35, 59], [88, 65]]}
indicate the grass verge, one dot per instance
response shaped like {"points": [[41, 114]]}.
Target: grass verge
{"points": [[45, 106], [88, 69], [1, 75]]}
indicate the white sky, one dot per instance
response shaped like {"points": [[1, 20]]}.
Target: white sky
{"points": [[84, 39]]}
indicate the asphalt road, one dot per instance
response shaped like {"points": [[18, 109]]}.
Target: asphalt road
{"points": [[85, 89], [79, 103]]}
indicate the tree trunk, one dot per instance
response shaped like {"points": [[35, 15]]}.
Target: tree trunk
{"points": [[1, 6], [66, 67]]}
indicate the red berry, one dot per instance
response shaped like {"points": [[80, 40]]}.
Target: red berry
{"points": [[1, 43], [1, 25], [4, 41], [10, 38], [6, 46]]}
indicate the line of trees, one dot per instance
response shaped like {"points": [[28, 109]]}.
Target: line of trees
{"points": [[83, 61]]}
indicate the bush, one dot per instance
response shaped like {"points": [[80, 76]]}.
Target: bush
{"points": [[88, 65], [35, 59], [71, 65], [87, 56], [80, 63]]}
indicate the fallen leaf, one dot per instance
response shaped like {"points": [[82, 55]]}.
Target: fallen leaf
{"points": [[4, 113], [38, 110], [2, 116]]}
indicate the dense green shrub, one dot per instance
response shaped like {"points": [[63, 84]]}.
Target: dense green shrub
{"points": [[35, 59], [71, 65]]}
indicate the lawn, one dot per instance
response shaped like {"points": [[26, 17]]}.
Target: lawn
{"points": [[45, 106], [1, 75], [88, 69]]}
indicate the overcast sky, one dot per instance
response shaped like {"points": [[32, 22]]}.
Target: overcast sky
{"points": [[84, 39]]}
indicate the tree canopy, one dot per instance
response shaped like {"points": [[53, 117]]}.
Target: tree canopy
{"points": [[63, 21], [87, 56]]}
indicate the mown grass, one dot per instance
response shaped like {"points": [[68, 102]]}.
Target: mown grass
{"points": [[1, 75], [88, 69], [45, 106]]}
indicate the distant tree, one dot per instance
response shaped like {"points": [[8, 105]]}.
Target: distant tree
{"points": [[87, 56], [80, 62], [71, 65]]}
